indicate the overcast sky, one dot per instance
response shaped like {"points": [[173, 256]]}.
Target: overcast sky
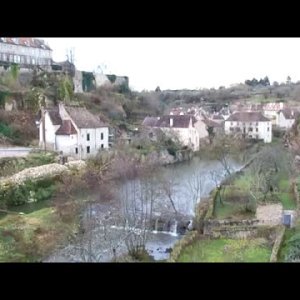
{"points": [[179, 63]]}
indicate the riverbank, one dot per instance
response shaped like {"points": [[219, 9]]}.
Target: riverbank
{"points": [[231, 207]]}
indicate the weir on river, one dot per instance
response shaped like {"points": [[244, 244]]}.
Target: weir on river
{"points": [[186, 183]]}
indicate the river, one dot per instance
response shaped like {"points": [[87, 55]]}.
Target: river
{"points": [[186, 183]]}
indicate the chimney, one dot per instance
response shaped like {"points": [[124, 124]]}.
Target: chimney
{"points": [[171, 122]]}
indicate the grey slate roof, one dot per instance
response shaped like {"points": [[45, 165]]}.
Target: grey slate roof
{"points": [[83, 118], [179, 121], [55, 116], [248, 117]]}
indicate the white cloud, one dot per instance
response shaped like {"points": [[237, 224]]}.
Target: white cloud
{"points": [[177, 63]]}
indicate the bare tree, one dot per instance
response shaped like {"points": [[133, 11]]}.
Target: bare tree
{"points": [[216, 177], [194, 186], [168, 188]]}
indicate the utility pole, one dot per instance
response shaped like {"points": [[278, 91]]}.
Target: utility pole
{"points": [[43, 127]]}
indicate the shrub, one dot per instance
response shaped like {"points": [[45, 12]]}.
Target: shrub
{"points": [[29, 191]]}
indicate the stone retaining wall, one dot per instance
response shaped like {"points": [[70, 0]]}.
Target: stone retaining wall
{"points": [[277, 244], [231, 229]]}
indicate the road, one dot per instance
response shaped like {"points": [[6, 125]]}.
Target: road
{"points": [[14, 151]]}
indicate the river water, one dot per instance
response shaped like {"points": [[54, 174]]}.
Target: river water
{"points": [[186, 183]]}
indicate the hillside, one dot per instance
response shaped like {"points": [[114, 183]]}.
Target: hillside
{"points": [[22, 94]]}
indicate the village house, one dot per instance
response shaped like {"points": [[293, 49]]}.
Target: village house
{"points": [[188, 130], [286, 118], [73, 130], [271, 110], [250, 125], [26, 52]]}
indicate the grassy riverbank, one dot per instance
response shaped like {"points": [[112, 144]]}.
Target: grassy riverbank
{"points": [[227, 250]]}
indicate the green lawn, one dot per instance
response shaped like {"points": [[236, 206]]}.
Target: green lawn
{"points": [[284, 185], [28, 237], [231, 210], [287, 201], [227, 250]]}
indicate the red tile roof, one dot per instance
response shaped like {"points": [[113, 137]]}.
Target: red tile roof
{"points": [[66, 128]]}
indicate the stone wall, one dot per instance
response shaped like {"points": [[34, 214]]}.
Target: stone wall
{"points": [[41, 172], [77, 81], [231, 229], [277, 243]]}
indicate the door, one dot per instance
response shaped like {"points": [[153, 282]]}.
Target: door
{"points": [[287, 220]]}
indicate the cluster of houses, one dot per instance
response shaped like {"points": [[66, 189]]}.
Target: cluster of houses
{"points": [[77, 132], [253, 121]]}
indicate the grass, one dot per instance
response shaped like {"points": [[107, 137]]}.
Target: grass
{"points": [[289, 232], [287, 201], [29, 237], [284, 185], [231, 210], [227, 250]]}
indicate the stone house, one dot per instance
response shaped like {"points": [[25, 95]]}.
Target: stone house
{"points": [[74, 131], [27, 52]]}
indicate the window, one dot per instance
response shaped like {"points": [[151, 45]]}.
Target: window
{"points": [[268, 129], [76, 150], [88, 149], [250, 129], [250, 124], [101, 135], [257, 136], [256, 123], [256, 129], [102, 146], [88, 137], [231, 128]]}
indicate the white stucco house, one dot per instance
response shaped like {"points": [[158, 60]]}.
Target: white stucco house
{"points": [[74, 131], [188, 130], [251, 125], [286, 118]]}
